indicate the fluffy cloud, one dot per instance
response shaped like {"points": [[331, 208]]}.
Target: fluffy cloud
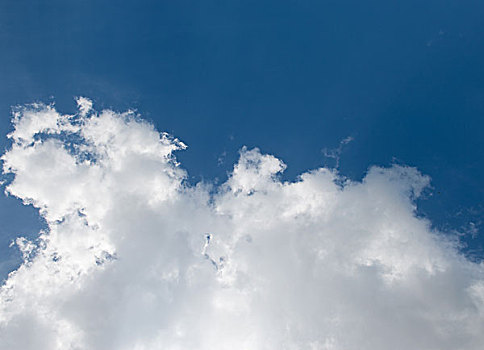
{"points": [[135, 258]]}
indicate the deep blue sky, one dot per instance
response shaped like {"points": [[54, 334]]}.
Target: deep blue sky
{"points": [[404, 78]]}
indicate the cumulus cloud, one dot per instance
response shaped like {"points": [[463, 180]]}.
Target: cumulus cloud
{"points": [[136, 258]]}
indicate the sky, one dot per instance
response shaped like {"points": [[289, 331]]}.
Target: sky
{"points": [[386, 96]]}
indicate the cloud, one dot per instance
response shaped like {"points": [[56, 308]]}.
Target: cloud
{"points": [[335, 153], [136, 258], [84, 105]]}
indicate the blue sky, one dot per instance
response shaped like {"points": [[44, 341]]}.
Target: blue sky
{"points": [[404, 79]]}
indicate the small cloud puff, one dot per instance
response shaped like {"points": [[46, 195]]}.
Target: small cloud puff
{"points": [[135, 258], [84, 105]]}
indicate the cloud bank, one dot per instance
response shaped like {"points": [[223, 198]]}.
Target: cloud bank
{"points": [[136, 258]]}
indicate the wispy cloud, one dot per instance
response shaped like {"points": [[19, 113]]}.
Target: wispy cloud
{"points": [[335, 153]]}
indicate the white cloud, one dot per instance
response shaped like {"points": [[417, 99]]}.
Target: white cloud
{"points": [[134, 258], [84, 105]]}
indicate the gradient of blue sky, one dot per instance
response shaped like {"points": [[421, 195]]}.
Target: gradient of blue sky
{"points": [[404, 79]]}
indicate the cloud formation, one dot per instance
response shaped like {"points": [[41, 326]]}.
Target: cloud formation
{"points": [[136, 258]]}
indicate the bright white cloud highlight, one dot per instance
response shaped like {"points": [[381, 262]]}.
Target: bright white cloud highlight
{"points": [[134, 258]]}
